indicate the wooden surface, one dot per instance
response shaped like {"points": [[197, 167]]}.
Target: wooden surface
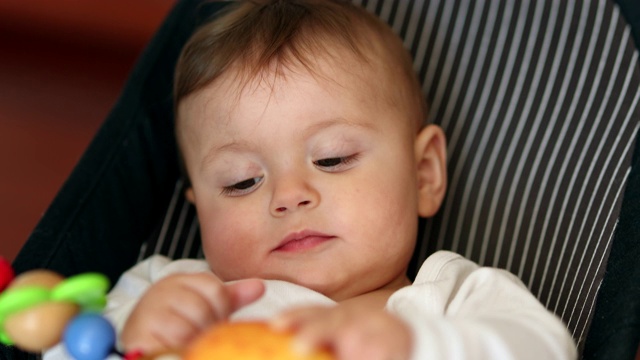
{"points": [[62, 66]]}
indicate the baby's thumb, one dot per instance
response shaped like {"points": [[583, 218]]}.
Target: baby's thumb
{"points": [[244, 292]]}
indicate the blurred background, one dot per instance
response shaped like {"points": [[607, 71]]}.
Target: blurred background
{"points": [[62, 66]]}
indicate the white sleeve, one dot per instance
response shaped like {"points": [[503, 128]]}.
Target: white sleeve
{"points": [[459, 310], [133, 283]]}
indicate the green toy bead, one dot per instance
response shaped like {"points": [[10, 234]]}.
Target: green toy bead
{"points": [[88, 290]]}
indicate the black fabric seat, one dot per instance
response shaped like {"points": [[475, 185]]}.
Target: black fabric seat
{"points": [[539, 101]]}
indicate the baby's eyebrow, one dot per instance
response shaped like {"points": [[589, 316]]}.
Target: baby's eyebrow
{"points": [[236, 145], [242, 145], [338, 121]]}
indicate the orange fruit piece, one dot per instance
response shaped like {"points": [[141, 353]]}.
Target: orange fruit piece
{"points": [[247, 341]]}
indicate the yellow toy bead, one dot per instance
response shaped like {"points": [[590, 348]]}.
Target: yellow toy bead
{"points": [[43, 278], [41, 326]]}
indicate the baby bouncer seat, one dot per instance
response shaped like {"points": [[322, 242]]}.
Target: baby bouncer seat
{"points": [[539, 101]]}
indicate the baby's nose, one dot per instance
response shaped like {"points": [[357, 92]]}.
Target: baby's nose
{"points": [[293, 196], [302, 203]]}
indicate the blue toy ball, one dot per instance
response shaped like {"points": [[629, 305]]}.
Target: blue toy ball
{"points": [[89, 337]]}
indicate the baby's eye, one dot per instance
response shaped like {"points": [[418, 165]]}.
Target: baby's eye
{"points": [[336, 163], [329, 162], [242, 187]]}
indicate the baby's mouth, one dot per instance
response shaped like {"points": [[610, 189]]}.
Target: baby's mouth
{"points": [[302, 241]]}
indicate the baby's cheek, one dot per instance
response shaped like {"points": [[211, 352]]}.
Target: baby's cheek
{"points": [[227, 249]]}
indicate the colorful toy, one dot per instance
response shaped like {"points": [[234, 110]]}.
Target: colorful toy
{"points": [[36, 307], [40, 308]]}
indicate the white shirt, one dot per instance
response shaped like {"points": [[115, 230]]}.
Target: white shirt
{"points": [[455, 309]]}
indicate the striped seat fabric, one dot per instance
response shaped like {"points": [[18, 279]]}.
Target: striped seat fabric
{"points": [[539, 101]]}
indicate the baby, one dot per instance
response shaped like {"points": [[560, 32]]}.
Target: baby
{"points": [[301, 130]]}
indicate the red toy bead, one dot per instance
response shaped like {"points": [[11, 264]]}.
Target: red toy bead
{"points": [[6, 273], [133, 355]]}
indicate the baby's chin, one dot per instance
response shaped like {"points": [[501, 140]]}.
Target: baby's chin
{"points": [[332, 285], [324, 286]]}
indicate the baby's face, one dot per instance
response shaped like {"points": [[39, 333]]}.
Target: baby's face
{"points": [[307, 180]]}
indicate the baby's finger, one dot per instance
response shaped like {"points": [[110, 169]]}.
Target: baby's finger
{"points": [[293, 319], [181, 332], [244, 292], [379, 336], [314, 327], [349, 334], [213, 291], [321, 332], [153, 335], [195, 309]]}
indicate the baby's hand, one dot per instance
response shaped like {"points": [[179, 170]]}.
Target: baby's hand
{"points": [[179, 307], [349, 332]]}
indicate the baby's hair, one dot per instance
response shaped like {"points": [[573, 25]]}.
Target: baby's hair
{"points": [[256, 38]]}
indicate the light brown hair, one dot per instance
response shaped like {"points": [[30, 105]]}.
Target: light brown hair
{"points": [[257, 36]]}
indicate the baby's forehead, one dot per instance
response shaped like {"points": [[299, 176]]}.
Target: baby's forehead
{"points": [[348, 78], [374, 71], [340, 70]]}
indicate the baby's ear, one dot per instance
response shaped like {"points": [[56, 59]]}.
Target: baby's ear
{"points": [[431, 159], [189, 195]]}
